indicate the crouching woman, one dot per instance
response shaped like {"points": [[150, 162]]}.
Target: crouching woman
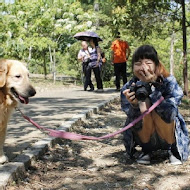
{"points": [[164, 128]]}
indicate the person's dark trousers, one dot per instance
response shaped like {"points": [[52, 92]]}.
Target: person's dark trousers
{"points": [[84, 67], [97, 74], [87, 81], [120, 70]]}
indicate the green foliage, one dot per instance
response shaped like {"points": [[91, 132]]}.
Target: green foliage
{"points": [[42, 26]]}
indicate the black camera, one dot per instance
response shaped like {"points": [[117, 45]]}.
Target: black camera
{"points": [[142, 90], [86, 61]]}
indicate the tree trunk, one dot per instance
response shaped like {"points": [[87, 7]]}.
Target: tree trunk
{"points": [[51, 59], [172, 54], [29, 56], [54, 66], [96, 9], [45, 69], [185, 72]]}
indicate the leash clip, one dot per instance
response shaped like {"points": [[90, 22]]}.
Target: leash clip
{"points": [[18, 110]]}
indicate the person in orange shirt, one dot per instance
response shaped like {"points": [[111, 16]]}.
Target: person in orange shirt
{"points": [[119, 56]]}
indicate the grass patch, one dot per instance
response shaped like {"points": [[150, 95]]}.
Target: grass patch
{"points": [[186, 101], [108, 84]]}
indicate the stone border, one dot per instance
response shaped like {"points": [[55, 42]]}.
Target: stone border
{"points": [[11, 171]]}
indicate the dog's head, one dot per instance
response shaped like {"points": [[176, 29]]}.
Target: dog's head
{"points": [[14, 79]]}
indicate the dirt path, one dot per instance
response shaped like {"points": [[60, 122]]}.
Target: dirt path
{"points": [[101, 165]]}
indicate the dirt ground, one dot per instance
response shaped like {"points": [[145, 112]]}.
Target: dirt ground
{"points": [[102, 165]]}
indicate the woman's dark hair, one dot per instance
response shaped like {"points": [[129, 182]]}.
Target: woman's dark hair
{"points": [[145, 52], [148, 52], [95, 40]]}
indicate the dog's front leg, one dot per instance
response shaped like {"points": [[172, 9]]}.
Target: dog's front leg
{"points": [[3, 128]]}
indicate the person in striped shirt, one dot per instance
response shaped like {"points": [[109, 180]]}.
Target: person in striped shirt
{"points": [[95, 63]]}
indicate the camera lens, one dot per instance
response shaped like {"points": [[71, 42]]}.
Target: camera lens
{"points": [[141, 94]]}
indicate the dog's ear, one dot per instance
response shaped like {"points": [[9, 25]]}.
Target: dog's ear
{"points": [[3, 72]]}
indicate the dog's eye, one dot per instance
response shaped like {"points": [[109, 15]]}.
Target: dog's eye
{"points": [[18, 76]]}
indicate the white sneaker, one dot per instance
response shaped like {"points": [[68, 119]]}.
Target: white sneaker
{"points": [[143, 159], [173, 159]]}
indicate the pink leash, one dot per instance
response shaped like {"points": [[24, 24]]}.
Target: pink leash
{"points": [[74, 136]]}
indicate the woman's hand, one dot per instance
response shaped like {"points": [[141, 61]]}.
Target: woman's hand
{"points": [[147, 74], [130, 97]]}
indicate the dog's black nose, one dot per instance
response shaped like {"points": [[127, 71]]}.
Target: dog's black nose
{"points": [[31, 91]]}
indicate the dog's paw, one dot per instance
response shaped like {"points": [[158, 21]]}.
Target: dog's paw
{"points": [[3, 159]]}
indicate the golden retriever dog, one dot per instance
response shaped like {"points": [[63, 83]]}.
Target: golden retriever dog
{"points": [[14, 87]]}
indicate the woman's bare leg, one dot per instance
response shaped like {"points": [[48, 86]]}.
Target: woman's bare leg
{"points": [[165, 130], [147, 129], [153, 122]]}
